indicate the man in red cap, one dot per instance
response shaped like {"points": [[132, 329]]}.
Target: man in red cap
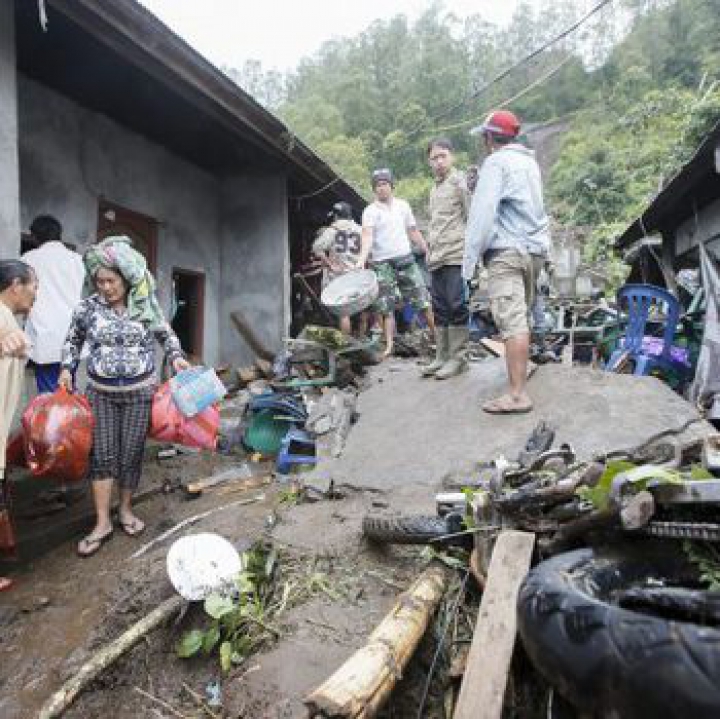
{"points": [[507, 231]]}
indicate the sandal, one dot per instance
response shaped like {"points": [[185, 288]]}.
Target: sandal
{"points": [[92, 544], [133, 528], [507, 405]]}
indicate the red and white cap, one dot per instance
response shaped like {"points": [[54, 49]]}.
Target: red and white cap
{"points": [[501, 122]]}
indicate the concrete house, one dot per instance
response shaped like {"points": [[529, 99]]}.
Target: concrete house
{"points": [[112, 123], [684, 214]]}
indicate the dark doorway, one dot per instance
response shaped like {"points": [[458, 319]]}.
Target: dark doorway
{"points": [[141, 229], [189, 310]]}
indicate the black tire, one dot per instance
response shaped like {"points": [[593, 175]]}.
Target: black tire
{"points": [[413, 530], [614, 662]]}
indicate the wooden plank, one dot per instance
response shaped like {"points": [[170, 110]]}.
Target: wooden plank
{"points": [[483, 688]]}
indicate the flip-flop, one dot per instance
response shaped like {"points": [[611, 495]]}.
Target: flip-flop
{"points": [[506, 405], [95, 542], [6, 583], [131, 528]]}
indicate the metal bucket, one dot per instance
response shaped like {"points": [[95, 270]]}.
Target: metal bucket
{"points": [[351, 293]]}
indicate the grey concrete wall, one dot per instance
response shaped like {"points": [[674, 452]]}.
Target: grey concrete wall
{"points": [[255, 262], [9, 183], [71, 157]]}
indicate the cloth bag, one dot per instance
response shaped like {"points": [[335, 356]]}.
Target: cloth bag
{"points": [[169, 424], [58, 433]]}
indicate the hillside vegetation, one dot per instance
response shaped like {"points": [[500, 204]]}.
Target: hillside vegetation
{"points": [[640, 81]]}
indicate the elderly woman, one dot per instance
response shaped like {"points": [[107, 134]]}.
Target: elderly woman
{"points": [[118, 324], [18, 287]]}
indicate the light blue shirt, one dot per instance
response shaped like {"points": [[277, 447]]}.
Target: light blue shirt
{"points": [[507, 209]]}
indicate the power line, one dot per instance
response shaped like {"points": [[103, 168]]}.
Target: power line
{"points": [[316, 192], [502, 75], [510, 100]]}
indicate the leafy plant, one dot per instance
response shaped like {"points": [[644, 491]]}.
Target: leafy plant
{"points": [[599, 495], [706, 558], [636, 477], [237, 624]]}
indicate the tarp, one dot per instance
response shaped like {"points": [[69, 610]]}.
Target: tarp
{"points": [[706, 386]]}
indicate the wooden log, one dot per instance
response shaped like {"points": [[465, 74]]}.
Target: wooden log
{"points": [[248, 334], [227, 475], [483, 688], [361, 686], [265, 368], [89, 671], [248, 374]]}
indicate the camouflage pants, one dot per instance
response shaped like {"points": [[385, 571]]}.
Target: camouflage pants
{"points": [[398, 282]]}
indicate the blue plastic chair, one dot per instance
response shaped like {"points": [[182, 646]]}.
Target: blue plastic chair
{"points": [[297, 448], [637, 301]]}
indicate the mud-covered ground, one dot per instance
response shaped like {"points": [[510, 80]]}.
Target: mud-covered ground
{"points": [[409, 436], [63, 609]]}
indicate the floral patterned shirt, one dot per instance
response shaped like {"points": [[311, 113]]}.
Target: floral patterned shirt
{"points": [[119, 347]]}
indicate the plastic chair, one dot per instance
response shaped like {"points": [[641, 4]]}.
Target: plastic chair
{"points": [[297, 448], [638, 301]]}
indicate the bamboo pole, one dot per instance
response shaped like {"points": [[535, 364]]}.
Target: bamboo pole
{"points": [[64, 697], [360, 687]]}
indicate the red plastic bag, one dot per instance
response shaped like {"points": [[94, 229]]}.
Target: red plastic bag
{"points": [[58, 431], [168, 424], [15, 450]]}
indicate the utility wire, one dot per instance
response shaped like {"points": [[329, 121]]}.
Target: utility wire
{"points": [[512, 99], [502, 75], [316, 192]]}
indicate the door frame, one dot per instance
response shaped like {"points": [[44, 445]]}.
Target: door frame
{"points": [[198, 330], [125, 216]]}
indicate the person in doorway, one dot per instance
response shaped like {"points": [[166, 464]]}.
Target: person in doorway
{"points": [[388, 232], [448, 212], [61, 275], [508, 231], [339, 248], [18, 288], [118, 324]]}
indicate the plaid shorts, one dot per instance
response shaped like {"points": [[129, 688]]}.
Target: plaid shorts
{"points": [[399, 282], [122, 421]]}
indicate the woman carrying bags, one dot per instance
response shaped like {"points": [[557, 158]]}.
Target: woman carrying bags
{"points": [[119, 324], [18, 288]]}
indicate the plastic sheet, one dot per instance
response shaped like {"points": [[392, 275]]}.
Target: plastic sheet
{"points": [[706, 388], [58, 431]]}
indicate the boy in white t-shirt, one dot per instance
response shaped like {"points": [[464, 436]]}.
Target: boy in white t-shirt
{"points": [[388, 232]]}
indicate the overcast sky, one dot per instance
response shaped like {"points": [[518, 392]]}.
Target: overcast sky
{"points": [[281, 32]]}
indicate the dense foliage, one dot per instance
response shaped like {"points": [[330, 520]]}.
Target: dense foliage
{"points": [[639, 82]]}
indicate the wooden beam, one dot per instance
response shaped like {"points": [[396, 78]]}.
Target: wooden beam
{"points": [[483, 688]]}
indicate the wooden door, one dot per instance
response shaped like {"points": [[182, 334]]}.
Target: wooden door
{"points": [[141, 229]]}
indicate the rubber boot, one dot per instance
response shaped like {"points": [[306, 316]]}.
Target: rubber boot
{"points": [[457, 351], [441, 352]]}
